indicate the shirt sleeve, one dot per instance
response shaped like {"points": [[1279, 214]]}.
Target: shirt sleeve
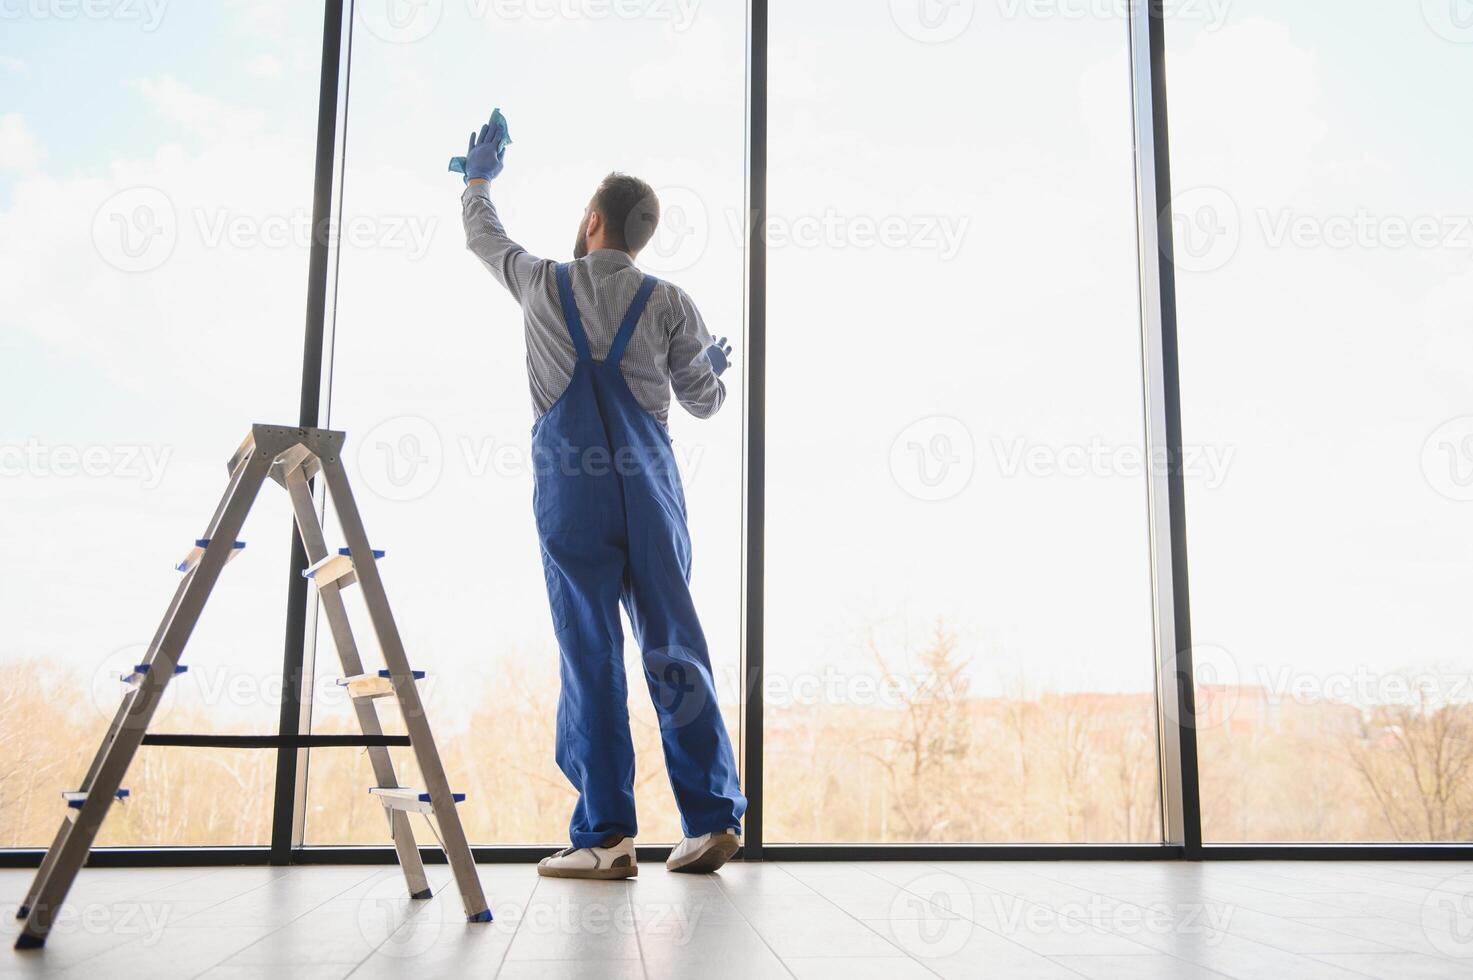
{"points": [[513, 266], [692, 378]]}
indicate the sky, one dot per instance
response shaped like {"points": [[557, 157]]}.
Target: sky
{"points": [[955, 410], [1330, 352]]}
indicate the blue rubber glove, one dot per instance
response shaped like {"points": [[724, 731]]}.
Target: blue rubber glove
{"points": [[719, 354], [486, 153]]}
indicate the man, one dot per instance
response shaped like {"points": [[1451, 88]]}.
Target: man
{"points": [[605, 346]]}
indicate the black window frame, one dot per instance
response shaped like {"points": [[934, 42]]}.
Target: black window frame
{"points": [[1180, 790]]}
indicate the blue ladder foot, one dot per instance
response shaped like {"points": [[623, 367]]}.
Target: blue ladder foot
{"points": [[29, 942], [480, 916], [23, 911], [423, 894]]}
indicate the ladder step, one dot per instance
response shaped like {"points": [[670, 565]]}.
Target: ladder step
{"points": [[335, 568], [75, 799], [378, 685], [141, 670], [198, 551], [377, 552], [412, 800]]}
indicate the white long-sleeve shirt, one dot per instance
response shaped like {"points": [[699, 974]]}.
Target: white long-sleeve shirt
{"points": [[667, 350]]}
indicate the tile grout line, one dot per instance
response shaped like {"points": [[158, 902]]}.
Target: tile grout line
{"points": [[138, 896], [864, 925], [863, 870], [526, 909], [258, 940], [1150, 950], [1315, 957], [644, 967], [755, 931], [1301, 921], [1350, 912], [131, 896], [422, 910], [1146, 950], [974, 922]]}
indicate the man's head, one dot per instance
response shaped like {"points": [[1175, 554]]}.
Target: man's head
{"points": [[623, 215]]}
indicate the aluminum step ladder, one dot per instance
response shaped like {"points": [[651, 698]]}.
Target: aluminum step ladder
{"points": [[292, 457]]}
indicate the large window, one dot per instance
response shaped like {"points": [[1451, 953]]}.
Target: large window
{"points": [[429, 368], [959, 640], [961, 614], [155, 191], [1322, 213]]}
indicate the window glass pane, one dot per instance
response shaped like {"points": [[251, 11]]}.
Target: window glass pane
{"points": [[959, 640], [155, 190], [1322, 213], [430, 377]]}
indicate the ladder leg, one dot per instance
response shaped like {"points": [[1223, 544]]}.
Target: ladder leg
{"points": [[408, 851], [123, 714], [310, 529], [120, 718], [115, 758], [452, 834], [47, 864]]}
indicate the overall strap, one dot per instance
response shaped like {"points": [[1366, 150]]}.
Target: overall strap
{"points": [[631, 319], [570, 313]]}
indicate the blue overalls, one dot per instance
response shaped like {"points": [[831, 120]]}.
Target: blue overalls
{"points": [[611, 519]]}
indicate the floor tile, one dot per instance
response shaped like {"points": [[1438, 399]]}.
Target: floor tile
{"points": [[1282, 920], [1148, 967]]}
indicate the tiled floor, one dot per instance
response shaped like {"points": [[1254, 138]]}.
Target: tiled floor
{"points": [[1283, 921]]}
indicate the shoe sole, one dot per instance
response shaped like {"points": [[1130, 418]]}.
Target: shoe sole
{"points": [[717, 851], [596, 874]]}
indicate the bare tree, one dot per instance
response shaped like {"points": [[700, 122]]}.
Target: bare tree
{"points": [[1075, 725], [921, 753], [1134, 770], [1417, 761], [1019, 717]]}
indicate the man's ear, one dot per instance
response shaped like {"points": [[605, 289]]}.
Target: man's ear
{"points": [[595, 223]]}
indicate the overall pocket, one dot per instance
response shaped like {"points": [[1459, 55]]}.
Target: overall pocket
{"points": [[557, 593]]}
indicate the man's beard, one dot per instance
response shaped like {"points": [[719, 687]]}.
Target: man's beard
{"points": [[580, 247]]}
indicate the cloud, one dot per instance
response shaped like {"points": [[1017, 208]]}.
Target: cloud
{"points": [[703, 58], [199, 114], [265, 66], [1246, 111], [82, 283], [262, 18], [1446, 316], [13, 66], [20, 152]]}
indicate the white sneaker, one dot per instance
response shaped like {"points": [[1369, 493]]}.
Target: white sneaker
{"points": [[704, 853], [591, 862]]}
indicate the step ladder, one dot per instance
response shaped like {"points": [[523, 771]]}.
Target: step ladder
{"points": [[292, 457]]}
